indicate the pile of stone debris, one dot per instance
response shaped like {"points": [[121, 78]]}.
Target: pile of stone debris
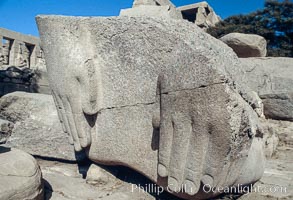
{"points": [[31, 80]]}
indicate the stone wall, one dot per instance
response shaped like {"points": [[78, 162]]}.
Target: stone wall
{"points": [[19, 50], [22, 65]]}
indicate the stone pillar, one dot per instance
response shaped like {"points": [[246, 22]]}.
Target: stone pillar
{"points": [[33, 56], [1, 41], [14, 51], [200, 16], [1, 50]]}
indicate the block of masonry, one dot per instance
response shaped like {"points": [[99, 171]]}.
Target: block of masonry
{"points": [[157, 95]]}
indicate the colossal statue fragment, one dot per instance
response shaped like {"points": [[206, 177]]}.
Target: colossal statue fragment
{"points": [[159, 96]]}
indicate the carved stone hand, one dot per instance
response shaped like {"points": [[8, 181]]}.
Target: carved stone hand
{"points": [[197, 135]]}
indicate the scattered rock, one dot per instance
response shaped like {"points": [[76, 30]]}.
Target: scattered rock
{"points": [[20, 176], [37, 129], [246, 45], [98, 176]]}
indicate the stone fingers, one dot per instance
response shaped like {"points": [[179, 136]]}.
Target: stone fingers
{"points": [[166, 137], [73, 120], [62, 116], [90, 85], [83, 130], [71, 123], [182, 132], [80, 121], [198, 144]]}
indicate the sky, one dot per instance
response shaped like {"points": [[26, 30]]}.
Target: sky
{"points": [[19, 15]]}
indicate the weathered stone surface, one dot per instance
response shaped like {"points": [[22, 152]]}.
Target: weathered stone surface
{"points": [[125, 87], [272, 79], [246, 45], [5, 130], [37, 129], [152, 8], [202, 14], [137, 3], [269, 75], [151, 11], [255, 102], [20, 176]]}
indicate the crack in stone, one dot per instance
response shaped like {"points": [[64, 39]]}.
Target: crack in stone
{"points": [[190, 89], [126, 106], [151, 103]]}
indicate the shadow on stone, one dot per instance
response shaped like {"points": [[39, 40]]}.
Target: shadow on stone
{"points": [[47, 189], [4, 149], [14, 79], [141, 182], [155, 139]]}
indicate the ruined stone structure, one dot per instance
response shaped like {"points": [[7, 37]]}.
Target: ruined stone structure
{"points": [[152, 8], [19, 50], [202, 14], [148, 94], [22, 65]]}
